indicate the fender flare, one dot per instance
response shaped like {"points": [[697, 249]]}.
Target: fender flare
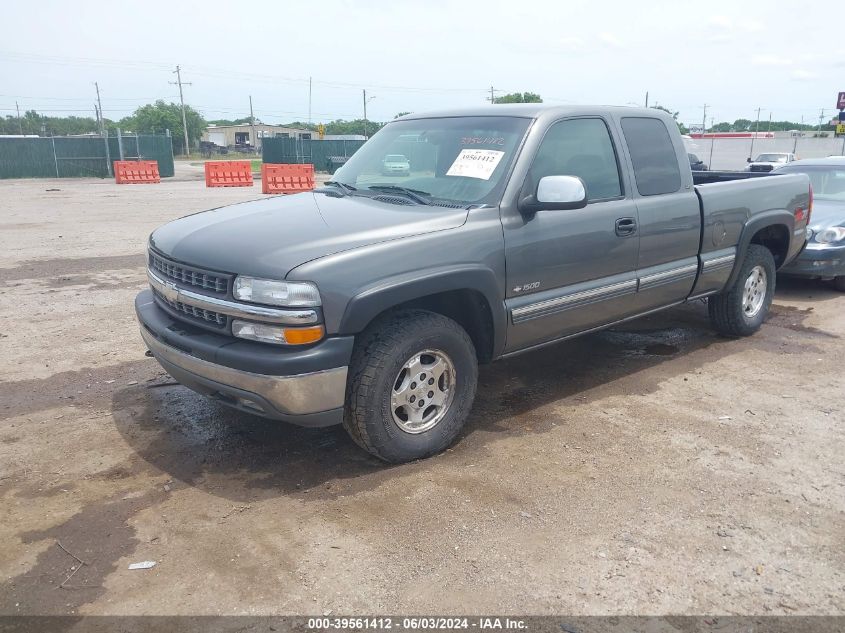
{"points": [[760, 221], [372, 300]]}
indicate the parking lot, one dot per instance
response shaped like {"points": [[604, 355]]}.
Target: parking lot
{"points": [[653, 468]]}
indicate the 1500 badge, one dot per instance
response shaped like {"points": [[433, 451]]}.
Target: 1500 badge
{"points": [[532, 286]]}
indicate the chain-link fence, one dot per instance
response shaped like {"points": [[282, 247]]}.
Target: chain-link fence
{"points": [[81, 156], [298, 151]]}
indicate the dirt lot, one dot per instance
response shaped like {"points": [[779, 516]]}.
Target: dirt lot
{"points": [[650, 469]]}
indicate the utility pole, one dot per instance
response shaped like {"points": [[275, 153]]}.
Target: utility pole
{"points": [[20, 123], [492, 96], [252, 123], [704, 120], [753, 136], [821, 117], [179, 82], [366, 101], [770, 123], [103, 130], [309, 100], [646, 98], [757, 129]]}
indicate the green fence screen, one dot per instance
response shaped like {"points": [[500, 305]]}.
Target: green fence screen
{"points": [[79, 156], [297, 151]]}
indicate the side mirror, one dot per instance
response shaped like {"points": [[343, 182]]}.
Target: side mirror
{"points": [[556, 193], [748, 160]]}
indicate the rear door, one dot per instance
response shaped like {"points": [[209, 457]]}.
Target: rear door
{"points": [[668, 210], [568, 271]]}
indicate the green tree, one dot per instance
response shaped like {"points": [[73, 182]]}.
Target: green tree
{"points": [[681, 127], [155, 118], [33, 123], [519, 97], [240, 121]]}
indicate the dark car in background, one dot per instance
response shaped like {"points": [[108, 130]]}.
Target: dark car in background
{"points": [[696, 164], [824, 256]]}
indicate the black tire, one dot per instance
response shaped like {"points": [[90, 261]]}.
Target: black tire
{"points": [[839, 283], [727, 314], [380, 355]]}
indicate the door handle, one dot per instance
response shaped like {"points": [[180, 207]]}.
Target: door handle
{"points": [[626, 226]]}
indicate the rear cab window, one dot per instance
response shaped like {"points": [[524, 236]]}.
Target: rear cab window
{"points": [[653, 156]]}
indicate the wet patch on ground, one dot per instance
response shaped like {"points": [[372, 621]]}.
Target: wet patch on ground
{"points": [[85, 387], [239, 456], [84, 550], [244, 457], [92, 282], [47, 268], [792, 318]]}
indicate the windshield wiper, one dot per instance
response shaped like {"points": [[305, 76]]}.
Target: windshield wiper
{"points": [[414, 194], [346, 189]]}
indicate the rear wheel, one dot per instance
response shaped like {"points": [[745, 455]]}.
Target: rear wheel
{"points": [[412, 383], [839, 283], [741, 309]]}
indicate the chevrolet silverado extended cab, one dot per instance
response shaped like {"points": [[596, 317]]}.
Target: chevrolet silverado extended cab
{"points": [[371, 301]]}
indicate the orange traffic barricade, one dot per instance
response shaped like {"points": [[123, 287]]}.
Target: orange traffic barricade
{"points": [[228, 173], [128, 172], [286, 178]]}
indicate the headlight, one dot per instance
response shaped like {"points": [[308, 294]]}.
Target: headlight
{"points": [[277, 334], [290, 294], [833, 234]]}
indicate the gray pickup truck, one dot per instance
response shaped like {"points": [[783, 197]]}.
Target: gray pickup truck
{"points": [[371, 301]]}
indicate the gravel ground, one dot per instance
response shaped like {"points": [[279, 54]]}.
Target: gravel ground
{"points": [[650, 469]]}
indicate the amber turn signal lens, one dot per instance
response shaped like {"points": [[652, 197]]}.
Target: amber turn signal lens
{"points": [[303, 335]]}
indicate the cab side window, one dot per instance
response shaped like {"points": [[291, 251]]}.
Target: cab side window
{"points": [[652, 156], [579, 147]]}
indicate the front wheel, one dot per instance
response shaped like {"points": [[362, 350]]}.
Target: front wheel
{"points": [[741, 309], [412, 382]]}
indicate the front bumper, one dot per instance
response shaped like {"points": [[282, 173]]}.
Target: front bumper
{"points": [[817, 262], [305, 387]]}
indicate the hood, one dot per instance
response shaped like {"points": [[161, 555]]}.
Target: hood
{"points": [[269, 237], [827, 213]]}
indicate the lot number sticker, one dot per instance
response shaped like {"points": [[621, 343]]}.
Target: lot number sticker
{"points": [[475, 163]]}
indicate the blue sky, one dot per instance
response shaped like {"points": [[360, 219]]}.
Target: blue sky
{"points": [[414, 56]]}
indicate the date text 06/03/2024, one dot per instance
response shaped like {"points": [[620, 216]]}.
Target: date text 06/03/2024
{"points": [[416, 623]]}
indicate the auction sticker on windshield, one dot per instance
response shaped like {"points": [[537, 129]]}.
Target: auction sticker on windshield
{"points": [[475, 163]]}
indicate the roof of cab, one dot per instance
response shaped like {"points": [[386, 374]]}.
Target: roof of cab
{"points": [[535, 111]]}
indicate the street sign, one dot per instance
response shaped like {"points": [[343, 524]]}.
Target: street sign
{"points": [[840, 101], [840, 129]]}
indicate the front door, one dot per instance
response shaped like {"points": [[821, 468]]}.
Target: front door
{"points": [[570, 270]]}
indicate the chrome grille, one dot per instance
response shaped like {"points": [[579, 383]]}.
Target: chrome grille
{"points": [[209, 317], [195, 277]]}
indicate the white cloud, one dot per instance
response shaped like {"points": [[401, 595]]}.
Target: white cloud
{"points": [[725, 23], [610, 39], [801, 74], [772, 61]]}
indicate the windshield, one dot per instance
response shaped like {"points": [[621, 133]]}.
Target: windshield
{"points": [[460, 159], [771, 158], [828, 182]]}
